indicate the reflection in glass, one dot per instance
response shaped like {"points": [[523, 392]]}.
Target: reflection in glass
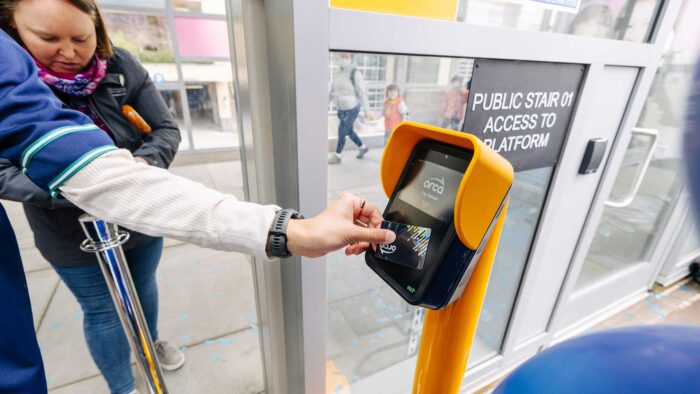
{"points": [[157, 4], [146, 37], [691, 244], [195, 37], [370, 328], [173, 100], [627, 236], [526, 203], [200, 6], [211, 115], [629, 20], [211, 104]]}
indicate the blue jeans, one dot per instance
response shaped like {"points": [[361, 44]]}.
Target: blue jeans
{"points": [[345, 129], [103, 331]]}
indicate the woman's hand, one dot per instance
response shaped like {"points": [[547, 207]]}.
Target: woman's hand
{"points": [[343, 224]]}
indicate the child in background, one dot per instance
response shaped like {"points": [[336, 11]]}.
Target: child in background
{"points": [[395, 110], [453, 104]]}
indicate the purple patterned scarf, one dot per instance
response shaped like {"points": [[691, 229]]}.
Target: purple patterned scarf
{"points": [[81, 85]]}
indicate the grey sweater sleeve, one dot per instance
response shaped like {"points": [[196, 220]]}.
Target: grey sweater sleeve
{"points": [[360, 90], [15, 186]]}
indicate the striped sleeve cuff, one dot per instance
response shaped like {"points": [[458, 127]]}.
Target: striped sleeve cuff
{"points": [[52, 159]]}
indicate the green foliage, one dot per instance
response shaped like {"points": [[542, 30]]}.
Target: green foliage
{"points": [[156, 57], [120, 39]]}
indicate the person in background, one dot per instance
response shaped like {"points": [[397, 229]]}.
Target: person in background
{"points": [[68, 41], [594, 19], [349, 95], [453, 104], [395, 110]]}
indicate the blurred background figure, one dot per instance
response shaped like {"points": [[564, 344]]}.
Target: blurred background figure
{"points": [[453, 104], [594, 20], [395, 110], [349, 95]]}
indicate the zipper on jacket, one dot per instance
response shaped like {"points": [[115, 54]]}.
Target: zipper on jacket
{"points": [[93, 107]]}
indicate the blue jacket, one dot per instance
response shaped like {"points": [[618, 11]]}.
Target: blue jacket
{"points": [[57, 232], [50, 144]]}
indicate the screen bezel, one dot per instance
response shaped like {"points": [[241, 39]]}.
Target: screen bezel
{"points": [[457, 159]]}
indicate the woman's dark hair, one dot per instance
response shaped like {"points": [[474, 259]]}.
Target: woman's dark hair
{"points": [[394, 87], [104, 47]]}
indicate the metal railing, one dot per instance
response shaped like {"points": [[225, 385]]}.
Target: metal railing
{"points": [[106, 240]]}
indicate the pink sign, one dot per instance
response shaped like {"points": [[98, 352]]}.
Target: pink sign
{"points": [[199, 37]]}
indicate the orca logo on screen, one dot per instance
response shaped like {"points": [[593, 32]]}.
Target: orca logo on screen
{"points": [[433, 188], [387, 249]]}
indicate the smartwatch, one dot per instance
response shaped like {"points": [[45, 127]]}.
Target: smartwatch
{"points": [[277, 236]]}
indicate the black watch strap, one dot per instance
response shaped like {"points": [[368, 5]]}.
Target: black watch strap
{"points": [[277, 237]]}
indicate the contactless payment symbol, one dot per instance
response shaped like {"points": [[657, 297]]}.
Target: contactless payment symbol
{"points": [[410, 247]]}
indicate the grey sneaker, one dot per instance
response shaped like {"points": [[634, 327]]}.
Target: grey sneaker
{"points": [[334, 159], [363, 151], [169, 357]]}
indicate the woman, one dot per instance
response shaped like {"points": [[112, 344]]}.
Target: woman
{"points": [[68, 41]]}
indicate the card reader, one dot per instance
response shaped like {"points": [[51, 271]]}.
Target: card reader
{"points": [[427, 194]]}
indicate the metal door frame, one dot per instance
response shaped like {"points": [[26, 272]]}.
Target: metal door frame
{"points": [[558, 328], [298, 36]]}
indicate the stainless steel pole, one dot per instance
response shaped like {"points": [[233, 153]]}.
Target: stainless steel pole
{"points": [[106, 240]]}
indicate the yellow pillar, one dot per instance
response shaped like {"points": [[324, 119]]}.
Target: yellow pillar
{"points": [[448, 333]]}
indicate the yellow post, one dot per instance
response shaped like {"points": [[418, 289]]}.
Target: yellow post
{"points": [[448, 333]]}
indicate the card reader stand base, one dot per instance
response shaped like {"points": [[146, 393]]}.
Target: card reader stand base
{"points": [[448, 333]]}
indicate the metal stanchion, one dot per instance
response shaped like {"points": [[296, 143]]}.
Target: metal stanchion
{"points": [[105, 240]]}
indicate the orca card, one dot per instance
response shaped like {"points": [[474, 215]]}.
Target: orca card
{"points": [[410, 247]]}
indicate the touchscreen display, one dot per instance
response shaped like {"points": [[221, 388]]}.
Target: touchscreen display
{"points": [[431, 188]]}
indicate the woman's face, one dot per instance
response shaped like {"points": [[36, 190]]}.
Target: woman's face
{"points": [[59, 35]]}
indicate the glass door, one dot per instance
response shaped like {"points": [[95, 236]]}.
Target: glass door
{"points": [[621, 257], [684, 250]]}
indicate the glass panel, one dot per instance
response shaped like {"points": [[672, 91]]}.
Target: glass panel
{"points": [[627, 236], [692, 240], [173, 99], [133, 3], [210, 98], [207, 299], [203, 6], [370, 327], [629, 20], [197, 37], [146, 37]]}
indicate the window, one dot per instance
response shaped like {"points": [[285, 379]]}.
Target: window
{"points": [[628, 20]]}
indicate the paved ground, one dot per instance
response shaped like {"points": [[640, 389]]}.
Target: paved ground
{"points": [[208, 306]]}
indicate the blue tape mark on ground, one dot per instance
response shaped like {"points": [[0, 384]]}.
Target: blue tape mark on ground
{"points": [[655, 309]]}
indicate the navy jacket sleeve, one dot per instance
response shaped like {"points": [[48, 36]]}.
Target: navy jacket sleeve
{"points": [[49, 143]]}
